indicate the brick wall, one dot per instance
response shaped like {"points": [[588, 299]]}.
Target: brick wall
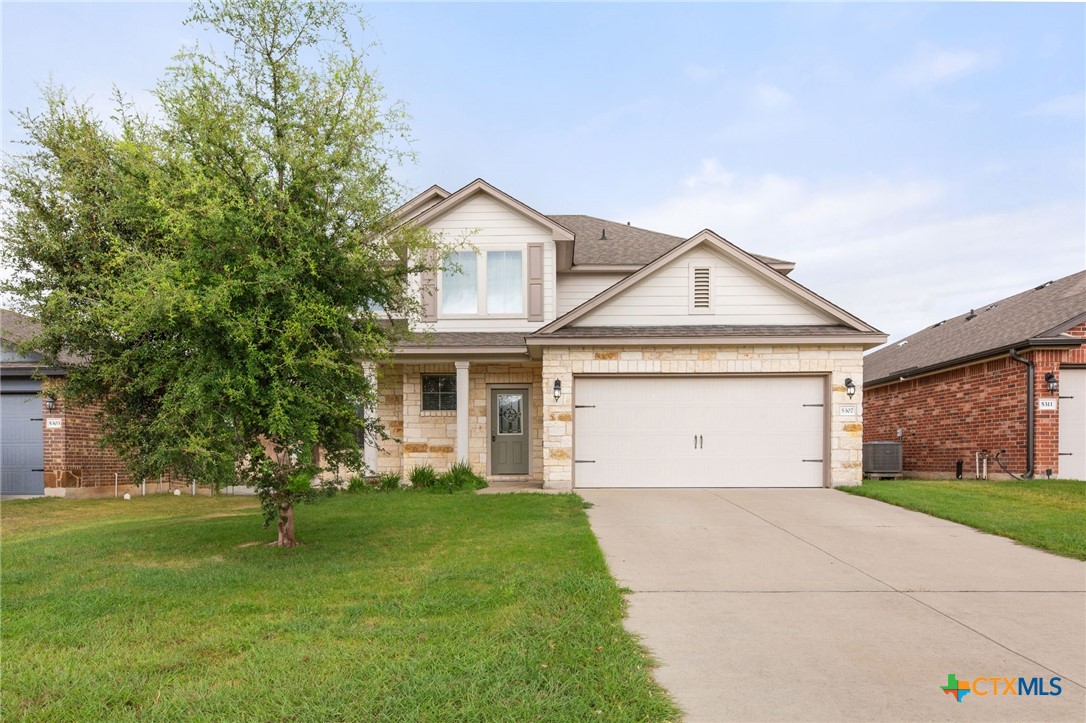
{"points": [[954, 414], [73, 455]]}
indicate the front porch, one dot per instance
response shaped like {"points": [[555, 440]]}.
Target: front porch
{"points": [[439, 412]]}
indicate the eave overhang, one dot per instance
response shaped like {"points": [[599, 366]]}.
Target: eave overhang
{"points": [[1022, 347], [865, 341]]}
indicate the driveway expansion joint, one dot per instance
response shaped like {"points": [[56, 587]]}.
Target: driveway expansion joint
{"points": [[907, 594]]}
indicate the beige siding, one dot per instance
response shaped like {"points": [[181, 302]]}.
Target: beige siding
{"points": [[739, 298], [483, 223], [575, 289]]}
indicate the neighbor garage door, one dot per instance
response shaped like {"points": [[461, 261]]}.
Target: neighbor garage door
{"points": [[1072, 423], [21, 452], [699, 431]]}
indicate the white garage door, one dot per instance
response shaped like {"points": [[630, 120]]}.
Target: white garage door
{"points": [[1072, 424], [699, 432]]}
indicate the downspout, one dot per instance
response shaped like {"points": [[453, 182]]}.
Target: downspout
{"points": [[1029, 412]]}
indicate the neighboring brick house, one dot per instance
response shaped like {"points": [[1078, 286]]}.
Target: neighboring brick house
{"points": [[956, 388], [582, 352], [45, 447]]}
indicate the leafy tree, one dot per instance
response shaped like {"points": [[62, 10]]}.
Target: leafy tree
{"points": [[218, 272]]}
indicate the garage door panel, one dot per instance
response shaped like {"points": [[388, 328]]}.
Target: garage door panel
{"points": [[699, 432]]}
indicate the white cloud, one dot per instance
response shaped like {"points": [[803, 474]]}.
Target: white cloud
{"points": [[1072, 105], [891, 252], [697, 71], [767, 112], [612, 118], [930, 65], [771, 97], [710, 174]]}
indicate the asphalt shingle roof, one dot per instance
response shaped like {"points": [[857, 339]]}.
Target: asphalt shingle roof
{"points": [[16, 327], [624, 244], [994, 327], [474, 339]]}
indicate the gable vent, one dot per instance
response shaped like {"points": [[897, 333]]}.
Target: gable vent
{"points": [[701, 289]]}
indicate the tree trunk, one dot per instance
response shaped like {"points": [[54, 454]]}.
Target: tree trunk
{"points": [[286, 525]]}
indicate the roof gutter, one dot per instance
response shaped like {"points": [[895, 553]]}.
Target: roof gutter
{"points": [[1030, 373]]}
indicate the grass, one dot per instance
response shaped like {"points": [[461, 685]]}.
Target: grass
{"points": [[397, 607], [1046, 514]]}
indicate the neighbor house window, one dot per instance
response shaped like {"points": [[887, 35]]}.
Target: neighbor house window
{"points": [[488, 283], [438, 392], [460, 284]]}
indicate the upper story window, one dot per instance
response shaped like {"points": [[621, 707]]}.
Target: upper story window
{"points": [[460, 284], [490, 282]]}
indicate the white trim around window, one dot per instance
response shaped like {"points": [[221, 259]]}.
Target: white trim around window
{"points": [[481, 286]]}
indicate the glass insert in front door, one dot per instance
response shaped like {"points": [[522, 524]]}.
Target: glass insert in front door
{"points": [[510, 413]]}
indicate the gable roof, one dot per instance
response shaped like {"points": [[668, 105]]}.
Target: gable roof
{"points": [[744, 261], [1037, 317], [418, 204], [17, 328], [628, 245], [479, 186]]}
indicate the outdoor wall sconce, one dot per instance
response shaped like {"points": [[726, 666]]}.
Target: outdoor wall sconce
{"points": [[850, 387], [1050, 380], [51, 402], [557, 389]]}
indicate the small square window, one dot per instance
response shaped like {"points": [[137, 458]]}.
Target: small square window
{"points": [[438, 392]]}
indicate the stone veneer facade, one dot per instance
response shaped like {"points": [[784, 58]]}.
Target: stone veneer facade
{"points": [[429, 437], [835, 362]]}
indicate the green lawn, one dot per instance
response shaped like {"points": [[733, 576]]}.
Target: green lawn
{"points": [[399, 606], [1047, 514]]}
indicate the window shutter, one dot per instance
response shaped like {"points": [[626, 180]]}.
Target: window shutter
{"points": [[535, 282], [428, 290], [701, 290]]}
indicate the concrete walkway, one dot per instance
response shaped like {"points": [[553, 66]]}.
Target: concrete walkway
{"points": [[814, 605]]}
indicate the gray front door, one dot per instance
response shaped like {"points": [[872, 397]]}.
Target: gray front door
{"points": [[510, 449]]}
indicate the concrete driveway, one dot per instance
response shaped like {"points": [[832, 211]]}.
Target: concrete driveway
{"points": [[815, 605]]}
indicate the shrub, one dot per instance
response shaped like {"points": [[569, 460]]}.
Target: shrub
{"points": [[388, 482], [460, 477], [423, 477], [358, 483]]}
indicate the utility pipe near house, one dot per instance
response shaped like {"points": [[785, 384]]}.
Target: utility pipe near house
{"points": [[1029, 411]]}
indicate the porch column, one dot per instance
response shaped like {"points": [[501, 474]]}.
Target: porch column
{"points": [[462, 411]]}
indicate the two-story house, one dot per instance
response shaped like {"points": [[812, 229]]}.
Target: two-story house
{"points": [[589, 353]]}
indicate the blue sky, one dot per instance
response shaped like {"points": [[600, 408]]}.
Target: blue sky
{"points": [[915, 160]]}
